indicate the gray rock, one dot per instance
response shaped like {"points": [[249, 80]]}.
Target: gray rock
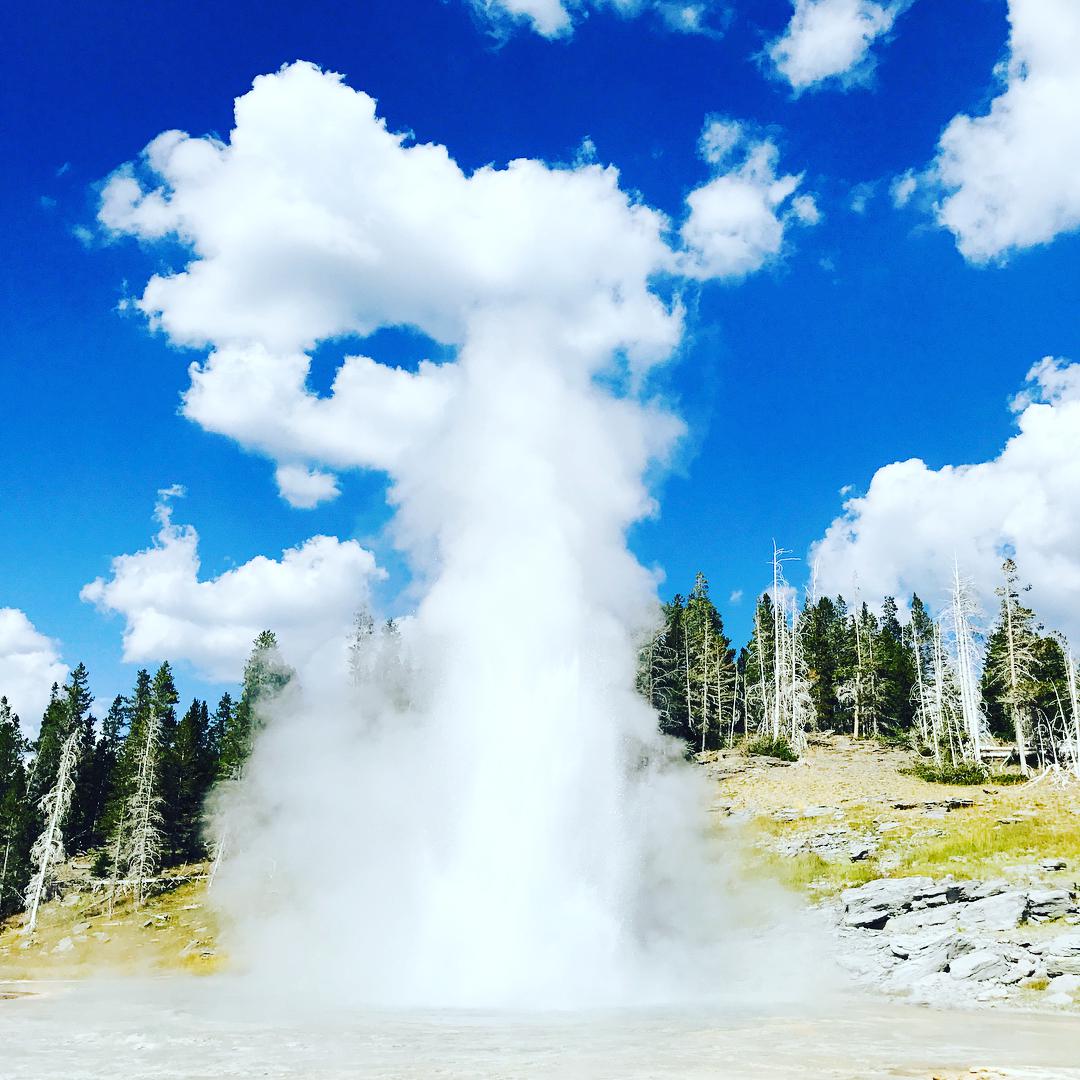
{"points": [[980, 890], [912, 922], [1002, 912], [1046, 904], [944, 892], [980, 965], [1021, 967], [872, 904], [1062, 955], [1064, 984], [925, 954]]}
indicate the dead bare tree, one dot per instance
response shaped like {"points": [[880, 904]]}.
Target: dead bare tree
{"points": [[48, 850]]}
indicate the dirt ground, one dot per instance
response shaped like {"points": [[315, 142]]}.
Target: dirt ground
{"points": [[79, 936]]}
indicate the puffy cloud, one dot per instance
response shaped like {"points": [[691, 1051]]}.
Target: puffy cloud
{"points": [[260, 398], [371, 230], [307, 598], [29, 664], [902, 535], [737, 221], [556, 18], [1010, 179], [831, 40], [305, 488]]}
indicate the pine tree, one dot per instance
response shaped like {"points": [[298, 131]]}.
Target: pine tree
{"points": [[758, 675], [823, 631], [14, 818], [163, 701], [51, 737], [191, 760], [79, 827], [658, 668], [135, 714], [105, 760], [860, 691], [709, 666], [265, 676], [894, 662], [215, 734]]}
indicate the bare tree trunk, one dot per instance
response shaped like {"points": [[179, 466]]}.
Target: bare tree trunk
{"points": [[48, 849], [735, 701], [3, 872], [705, 694], [858, 675], [965, 666], [777, 665], [1074, 704]]}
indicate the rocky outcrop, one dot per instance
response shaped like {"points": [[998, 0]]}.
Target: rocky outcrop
{"points": [[947, 941]]}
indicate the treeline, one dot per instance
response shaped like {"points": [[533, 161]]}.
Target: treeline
{"points": [[938, 683], [128, 790]]}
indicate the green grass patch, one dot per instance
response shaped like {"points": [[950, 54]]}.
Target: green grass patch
{"points": [[767, 746], [961, 772]]}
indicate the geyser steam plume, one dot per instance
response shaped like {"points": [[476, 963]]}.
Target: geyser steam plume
{"points": [[516, 831]]}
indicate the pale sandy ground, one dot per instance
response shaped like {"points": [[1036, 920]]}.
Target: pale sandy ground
{"points": [[191, 1029], [840, 772]]}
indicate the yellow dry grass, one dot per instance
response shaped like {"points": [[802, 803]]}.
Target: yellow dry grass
{"points": [[858, 790], [77, 937]]}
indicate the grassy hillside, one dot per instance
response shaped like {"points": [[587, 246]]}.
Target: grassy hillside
{"points": [[79, 935]]}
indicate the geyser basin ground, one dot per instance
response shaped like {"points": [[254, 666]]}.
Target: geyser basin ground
{"points": [[191, 1029]]}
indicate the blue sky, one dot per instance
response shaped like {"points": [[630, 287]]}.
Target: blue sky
{"points": [[869, 340]]}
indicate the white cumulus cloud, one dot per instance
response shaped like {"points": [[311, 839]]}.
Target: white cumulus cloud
{"points": [[305, 488], [902, 535], [737, 221], [1010, 179], [29, 664], [832, 40], [373, 230], [307, 597]]}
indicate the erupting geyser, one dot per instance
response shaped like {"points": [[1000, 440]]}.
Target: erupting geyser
{"points": [[515, 830]]}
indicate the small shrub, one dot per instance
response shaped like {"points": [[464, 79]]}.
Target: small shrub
{"points": [[767, 746], [962, 772], [1004, 779]]}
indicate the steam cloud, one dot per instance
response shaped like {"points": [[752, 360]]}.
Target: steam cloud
{"points": [[493, 818]]}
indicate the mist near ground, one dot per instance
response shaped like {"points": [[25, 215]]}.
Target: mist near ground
{"points": [[177, 1029]]}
